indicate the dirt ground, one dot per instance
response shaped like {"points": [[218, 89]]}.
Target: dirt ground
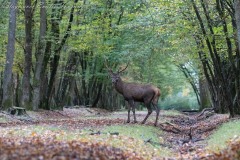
{"points": [[184, 134]]}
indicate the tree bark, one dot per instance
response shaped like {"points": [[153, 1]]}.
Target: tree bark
{"points": [[204, 93], [7, 81], [237, 16], [39, 56], [25, 100]]}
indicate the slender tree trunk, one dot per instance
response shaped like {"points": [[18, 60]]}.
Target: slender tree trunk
{"points": [[7, 81], [65, 85], [191, 80], [237, 16], [1, 87], [224, 96], [39, 57], [237, 22], [25, 100]]}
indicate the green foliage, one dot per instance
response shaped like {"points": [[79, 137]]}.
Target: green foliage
{"points": [[148, 34], [179, 102], [3, 32]]}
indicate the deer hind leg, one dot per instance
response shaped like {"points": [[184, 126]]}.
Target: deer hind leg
{"points": [[157, 112], [129, 109], [149, 112]]}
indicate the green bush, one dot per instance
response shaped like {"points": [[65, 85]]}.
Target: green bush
{"points": [[180, 103]]}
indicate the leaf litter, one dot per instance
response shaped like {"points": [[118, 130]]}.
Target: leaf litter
{"points": [[66, 135]]}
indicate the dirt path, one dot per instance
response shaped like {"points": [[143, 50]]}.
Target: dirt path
{"points": [[187, 134]]}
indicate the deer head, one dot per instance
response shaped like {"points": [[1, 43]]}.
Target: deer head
{"points": [[115, 76]]}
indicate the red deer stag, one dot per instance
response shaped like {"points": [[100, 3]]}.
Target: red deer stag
{"points": [[132, 92]]}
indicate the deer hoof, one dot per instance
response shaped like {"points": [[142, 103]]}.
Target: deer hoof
{"points": [[128, 121], [143, 122], [135, 122]]}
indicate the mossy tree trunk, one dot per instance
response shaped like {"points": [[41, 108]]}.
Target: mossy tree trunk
{"points": [[7, 81], [40, 57], [25, 99]]}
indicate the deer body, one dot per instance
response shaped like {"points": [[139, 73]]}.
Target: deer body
{"points": [[132, 92]]}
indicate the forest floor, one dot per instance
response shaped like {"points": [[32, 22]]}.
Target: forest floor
{"points": [[84, 133]]}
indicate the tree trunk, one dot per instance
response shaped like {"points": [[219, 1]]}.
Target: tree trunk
{"points": [[237, 16], [66, 87], [25, 100], [39, 57], [222, 86], [1, 88], [58, 48], [7, 81], [204, 93], [191, 80]]}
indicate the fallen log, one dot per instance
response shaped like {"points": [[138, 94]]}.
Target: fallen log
{"points": [[169, 127]]}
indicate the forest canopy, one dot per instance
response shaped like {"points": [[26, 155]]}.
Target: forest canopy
{"points": [[54, 53]]}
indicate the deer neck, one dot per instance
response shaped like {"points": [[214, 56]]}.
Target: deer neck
{"points": [[119, 86]]}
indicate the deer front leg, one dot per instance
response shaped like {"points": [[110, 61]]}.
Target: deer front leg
{"points": [[129, 108], [148, 114], [131, 105]]}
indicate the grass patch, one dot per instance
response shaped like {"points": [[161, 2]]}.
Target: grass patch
{"points": [[218, 140], [136, 131], [171, 113], [135, 136]]}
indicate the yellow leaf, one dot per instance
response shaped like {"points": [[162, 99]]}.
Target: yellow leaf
{"points": [[33, 134]]}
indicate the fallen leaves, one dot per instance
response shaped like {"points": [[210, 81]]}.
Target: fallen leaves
{"points": [[49, 148], [71, 135]]}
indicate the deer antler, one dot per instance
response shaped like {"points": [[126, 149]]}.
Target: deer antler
{"points": [[110, 70], [123, 68]]}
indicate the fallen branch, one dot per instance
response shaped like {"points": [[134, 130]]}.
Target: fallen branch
{"points": [[114, 133], [155, 143], [147, 141], [95, 133], [169, 127], [89, 110], [206, 109], [98, 133]]}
